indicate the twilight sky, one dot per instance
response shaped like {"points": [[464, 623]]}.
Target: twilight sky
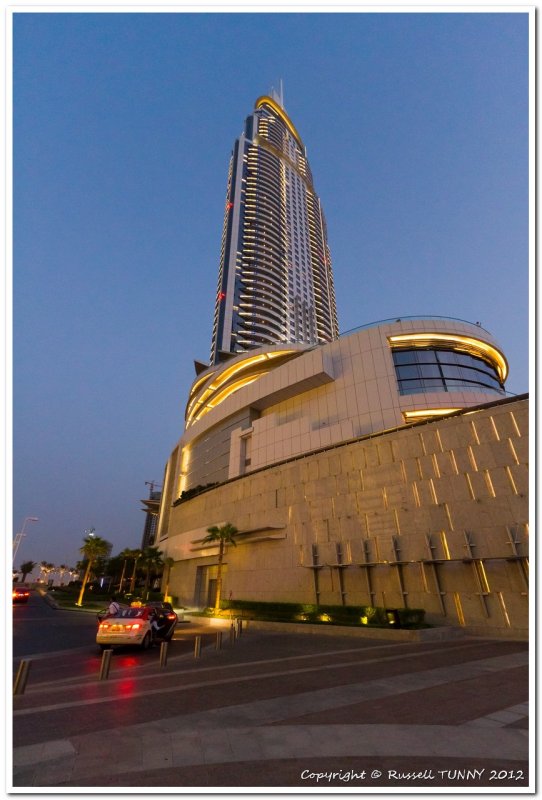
{"points": [[416, 126]]}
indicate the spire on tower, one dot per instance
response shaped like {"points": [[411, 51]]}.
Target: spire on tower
{"points": [[278, 97]]}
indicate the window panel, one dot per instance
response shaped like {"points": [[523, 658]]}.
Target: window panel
{"points": [[449, 371], [402, 357], [430, 371], [411, 371], [433, 385], [439, 370], [426, 357]]}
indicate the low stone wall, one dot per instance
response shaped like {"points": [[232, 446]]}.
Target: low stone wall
{"points": [[391, 634]]}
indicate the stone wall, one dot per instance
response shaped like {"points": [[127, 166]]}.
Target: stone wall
{"points": [[432, 516]]}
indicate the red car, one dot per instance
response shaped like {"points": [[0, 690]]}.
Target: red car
{"points": [[20, 594]]}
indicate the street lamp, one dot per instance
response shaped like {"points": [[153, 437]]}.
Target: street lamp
{"points": [[19, 536]]}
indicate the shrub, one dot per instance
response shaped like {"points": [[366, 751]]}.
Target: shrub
{"points": [[363, 616]]}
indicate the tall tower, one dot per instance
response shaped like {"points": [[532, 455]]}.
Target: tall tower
{"points": [[275, 281]]}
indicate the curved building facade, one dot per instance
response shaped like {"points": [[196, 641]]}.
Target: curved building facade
{"points": [[280, 401], [275, 279]]}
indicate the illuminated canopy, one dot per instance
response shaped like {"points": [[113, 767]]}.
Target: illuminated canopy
{"points": [[230, 379]]}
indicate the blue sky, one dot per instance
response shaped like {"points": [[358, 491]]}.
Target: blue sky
{"points": [[416, 126]]}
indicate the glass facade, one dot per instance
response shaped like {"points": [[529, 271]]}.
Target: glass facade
{"points": [[431, 370], [275, 280]]}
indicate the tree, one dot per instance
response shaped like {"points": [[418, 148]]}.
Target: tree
{"points": [[136, 555], [224, 536], [125, 555], [62, 569], [46, 567], [26, 568], [94, 547], [168, 563], [152, 559]]}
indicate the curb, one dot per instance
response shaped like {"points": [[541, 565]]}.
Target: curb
{"points": [[440, 634]]}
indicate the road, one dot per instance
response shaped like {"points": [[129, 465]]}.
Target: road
{"points": [[38, 628], [61, 644], [270, 710]]}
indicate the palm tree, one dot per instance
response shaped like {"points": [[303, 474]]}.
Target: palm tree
{"points": [[62, 569], [94, 547], [152, 558], [168, 563], [46, 567], [124, 554], [224, 536], [136, 555], [26, 568]]}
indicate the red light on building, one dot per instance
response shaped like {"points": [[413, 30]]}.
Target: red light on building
{"points": [[221, 296], [229, 206]]}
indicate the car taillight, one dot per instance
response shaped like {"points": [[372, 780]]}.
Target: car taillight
{"points": [[104, 625], [171, 616], [135, 627]]}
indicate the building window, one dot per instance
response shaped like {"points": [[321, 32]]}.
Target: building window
{"points": [[430, 370]]}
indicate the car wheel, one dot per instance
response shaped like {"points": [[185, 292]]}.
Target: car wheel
{"points": [[147, 641]]}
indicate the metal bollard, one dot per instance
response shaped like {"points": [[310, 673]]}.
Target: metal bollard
{"points": [[232, 633], [163, 654], [22, 677], [218, 644], [106, 663], [239, 627], [197, 647]]}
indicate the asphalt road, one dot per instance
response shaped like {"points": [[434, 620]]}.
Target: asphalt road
{"points": [[38, 628]]}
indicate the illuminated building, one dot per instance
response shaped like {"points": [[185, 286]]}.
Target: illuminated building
{"points": [[382, 467], [275, 279]]}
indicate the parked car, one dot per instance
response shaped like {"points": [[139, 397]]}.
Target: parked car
{"points": [[141, 626], [20, 594]]}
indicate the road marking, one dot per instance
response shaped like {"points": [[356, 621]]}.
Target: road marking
{"points": [[56, 654], [479, 665], [63, 683]]}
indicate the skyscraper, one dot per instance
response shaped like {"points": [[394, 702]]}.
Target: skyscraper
{"points": [[275, 281]]}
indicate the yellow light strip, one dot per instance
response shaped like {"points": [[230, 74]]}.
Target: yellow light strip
{"points": [[195, 411], [199, 382], [468, 343], [410, 416], [234, 387], [268, 101]]}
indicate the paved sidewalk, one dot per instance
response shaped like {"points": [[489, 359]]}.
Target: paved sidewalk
{"points": [[418, 710]]}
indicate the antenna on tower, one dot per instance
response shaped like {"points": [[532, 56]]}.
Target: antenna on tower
{"points": [[278, 96]]}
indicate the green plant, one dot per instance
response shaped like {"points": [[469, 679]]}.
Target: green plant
{"points": [[94, 547], [365, 616], [224, 535]]}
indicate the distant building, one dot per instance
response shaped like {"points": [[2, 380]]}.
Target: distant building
{"points": [[151, 509]]}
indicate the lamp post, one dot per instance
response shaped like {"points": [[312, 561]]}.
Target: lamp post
{"points": [[19, 536]]}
